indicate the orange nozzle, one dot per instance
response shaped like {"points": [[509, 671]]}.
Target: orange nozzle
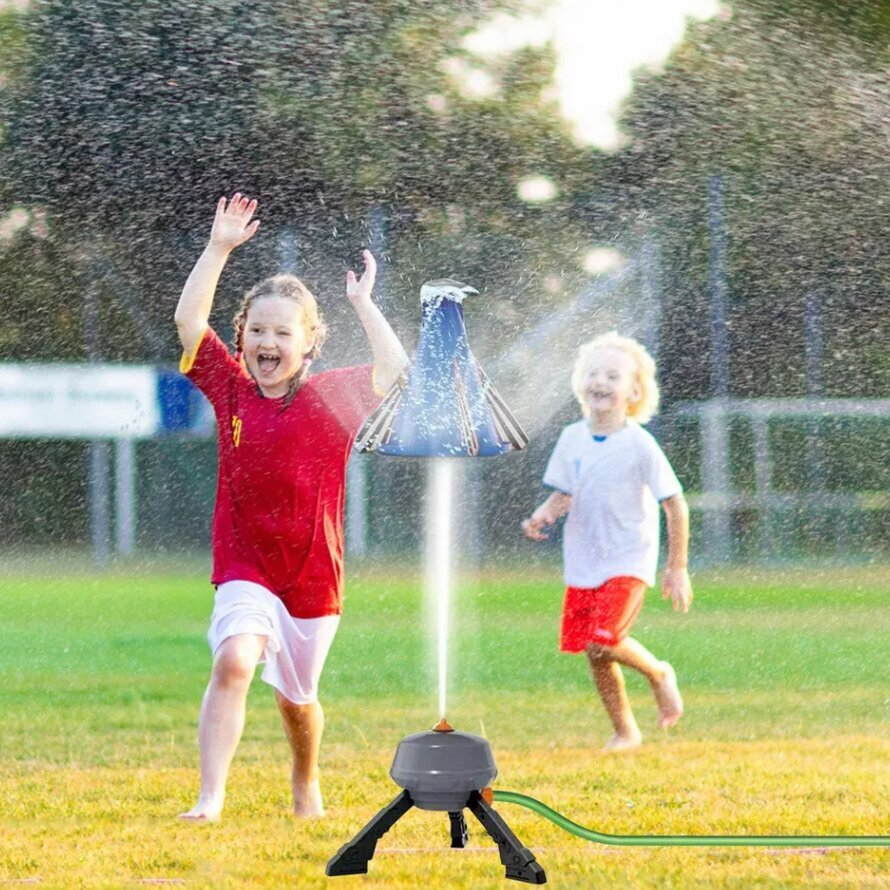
{"points": [[443, 726], [487, 795]]}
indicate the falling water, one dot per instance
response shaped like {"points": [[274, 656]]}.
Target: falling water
{"points": [[438, 573]]}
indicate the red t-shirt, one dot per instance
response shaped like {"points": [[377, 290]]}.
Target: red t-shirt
{"points": [[281, 487]]}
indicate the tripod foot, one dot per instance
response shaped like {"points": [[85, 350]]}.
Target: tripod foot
{"points": [[518, 861], [353, 858], [459, 834]]}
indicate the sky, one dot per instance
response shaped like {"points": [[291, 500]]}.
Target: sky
{"points": [[599, 43]]}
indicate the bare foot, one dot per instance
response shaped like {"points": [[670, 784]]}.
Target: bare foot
{"points": [[307, 800], [624, 741], [668, 698], [203, 811]]}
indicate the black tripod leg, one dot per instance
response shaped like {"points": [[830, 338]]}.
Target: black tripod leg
{"points": [[459, 833], [519, 861], [353, 858]]}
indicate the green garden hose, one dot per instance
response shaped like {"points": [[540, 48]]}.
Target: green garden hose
{"points": [[688, 840]]}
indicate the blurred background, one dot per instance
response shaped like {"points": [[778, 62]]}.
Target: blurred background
{"points": [[708, 177]]}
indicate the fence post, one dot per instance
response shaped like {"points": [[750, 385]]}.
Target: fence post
{"points": [[125, 495], [715, 479], [715, 435], [100, 507], [99, 460], [718, 290], [357, 505], [763, 485], [825, 524]]}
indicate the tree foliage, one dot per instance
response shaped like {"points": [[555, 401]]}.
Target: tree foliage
{"points": [[790, 105], [128, 119], [122, 122]]}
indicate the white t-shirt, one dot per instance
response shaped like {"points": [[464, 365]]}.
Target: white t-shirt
{"points": [[615, 483]]}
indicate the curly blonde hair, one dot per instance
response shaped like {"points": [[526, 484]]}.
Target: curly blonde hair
{"points": [[645, 408], [290, 288]]}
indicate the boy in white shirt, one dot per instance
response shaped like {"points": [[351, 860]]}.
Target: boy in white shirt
{"points": [[609, 475]]}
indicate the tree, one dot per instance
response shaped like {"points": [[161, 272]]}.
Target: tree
{"points": [[789, 104], [129, 119]]}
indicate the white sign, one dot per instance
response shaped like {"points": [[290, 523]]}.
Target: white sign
{"points": [[78, 401]]}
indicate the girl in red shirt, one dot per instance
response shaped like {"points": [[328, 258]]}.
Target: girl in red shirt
{"points": [[284, 438]]}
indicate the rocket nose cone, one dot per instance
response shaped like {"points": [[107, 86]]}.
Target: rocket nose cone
{"points": [[438, 289], [444, 284]]}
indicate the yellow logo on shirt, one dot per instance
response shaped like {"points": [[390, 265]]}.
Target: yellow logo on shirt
{"points": [[236, 430]]}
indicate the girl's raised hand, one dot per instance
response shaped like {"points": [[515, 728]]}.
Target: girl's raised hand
{"points": [[360, 290], [232, 225]]}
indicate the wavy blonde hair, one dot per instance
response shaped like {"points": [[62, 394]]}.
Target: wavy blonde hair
{"points": [[645, 408], [290, 288]]}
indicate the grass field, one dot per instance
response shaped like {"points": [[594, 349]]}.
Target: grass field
{"points": [[786, 732]]}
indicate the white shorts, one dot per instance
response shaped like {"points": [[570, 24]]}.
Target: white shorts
{"points": [[296, 648]]}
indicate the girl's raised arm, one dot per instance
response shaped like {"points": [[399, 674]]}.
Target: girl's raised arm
{"points": [[390, 358], [232, 226]]}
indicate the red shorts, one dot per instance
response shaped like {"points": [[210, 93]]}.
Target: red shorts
{"points": [[601, 615]]}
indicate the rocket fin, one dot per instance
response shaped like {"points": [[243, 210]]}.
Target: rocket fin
{"points": [[378, 425], [506, 425]]}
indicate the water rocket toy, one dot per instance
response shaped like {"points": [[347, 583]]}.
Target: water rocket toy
{"points": [[445, 406]]}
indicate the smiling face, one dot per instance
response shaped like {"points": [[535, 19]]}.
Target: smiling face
{"points": [[275, 343], [609, 383]]}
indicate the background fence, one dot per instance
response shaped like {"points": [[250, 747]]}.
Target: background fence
{"points": [[766, 480]]}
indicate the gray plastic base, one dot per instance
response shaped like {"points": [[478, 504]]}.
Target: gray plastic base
{"points": [[440, 769]]}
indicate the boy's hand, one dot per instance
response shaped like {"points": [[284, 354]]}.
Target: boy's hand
{"points": [[546, 514], [678, 587], [232, 225], [534, 526], [359, 290]]}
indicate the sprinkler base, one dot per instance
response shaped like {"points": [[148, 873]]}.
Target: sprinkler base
{"points": [[446, 771], [519, 862]]}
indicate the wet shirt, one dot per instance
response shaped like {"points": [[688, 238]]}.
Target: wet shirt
{"points": [[281, 486], [616, 482]]}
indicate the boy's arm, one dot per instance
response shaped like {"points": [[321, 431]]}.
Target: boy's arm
{"points": [[390, 358], [231, 227], [676, 583], [546, 514]]}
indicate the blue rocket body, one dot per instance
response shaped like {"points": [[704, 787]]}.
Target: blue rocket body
{"points": [[446, 407], [443, 412]]}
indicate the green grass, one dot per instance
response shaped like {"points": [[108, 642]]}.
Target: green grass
{"points": [[786, 732]]}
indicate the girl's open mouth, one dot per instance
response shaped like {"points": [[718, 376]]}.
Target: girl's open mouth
{"points": [[267, 363]]}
